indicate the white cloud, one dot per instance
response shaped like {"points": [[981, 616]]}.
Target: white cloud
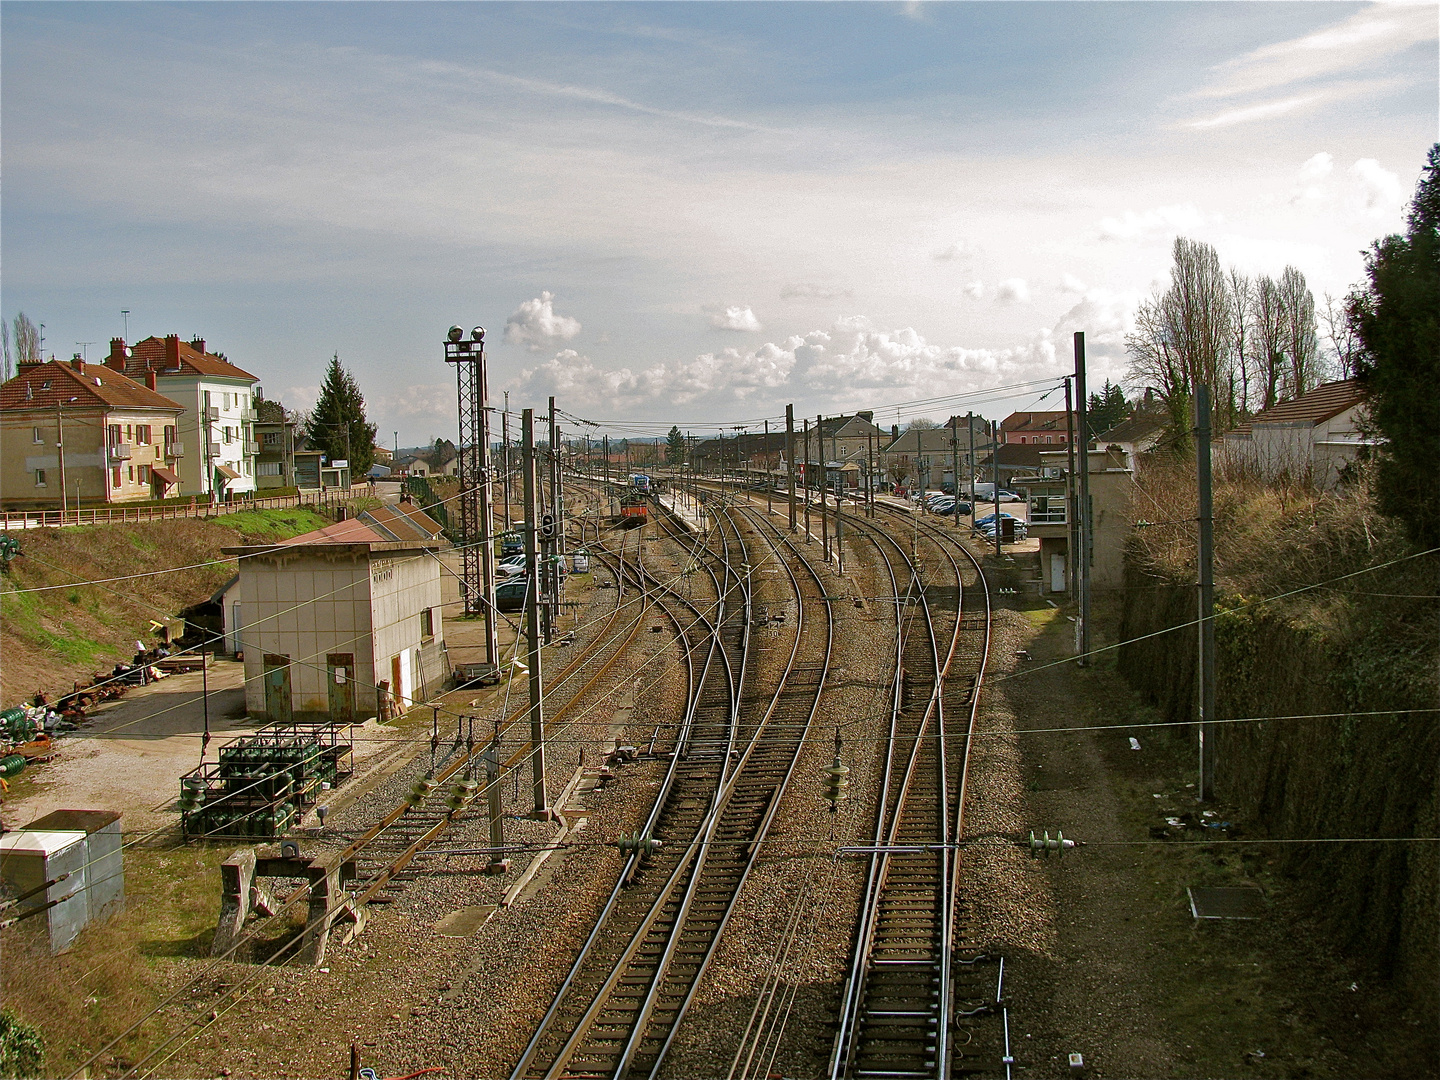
{"points": [[914, 9], [975, 290], [736, 318], [1380, 188], [1317, 167], [1365, 38], [424, 401], [1162, 220], [534, 324], [960, 249], [1071, 284], [812, 291], [1012, 291]]}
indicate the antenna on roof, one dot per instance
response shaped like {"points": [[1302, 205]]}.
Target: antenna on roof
{"points": [[125, 314]]}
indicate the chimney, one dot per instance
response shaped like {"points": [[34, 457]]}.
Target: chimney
{"points": [[150, 380], [198, 344], [116, 359], [894, 431], [172, 351], [868, 415], [77, 363], [341, 512]]}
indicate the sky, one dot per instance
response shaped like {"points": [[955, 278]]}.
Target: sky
{"points": [[687, 213]]}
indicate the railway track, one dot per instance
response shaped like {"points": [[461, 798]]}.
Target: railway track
{"points": [[898, 1008], [617, 1012]]}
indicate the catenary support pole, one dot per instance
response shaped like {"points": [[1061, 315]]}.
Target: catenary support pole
{"points": [[820, 478], [955, 469], [790, 458], [1082, 462], [532, 613], [805, 478], [995, 481], [497, 863], [1072, 518], [1206, 665]]}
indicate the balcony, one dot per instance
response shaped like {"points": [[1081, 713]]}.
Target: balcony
{"points": [[119, 451], [212, 450], [174, 449], [251, 448], [212, 413]]}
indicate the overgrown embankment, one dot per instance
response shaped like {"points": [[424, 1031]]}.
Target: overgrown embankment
{"points": [[69, 631], [1355, 659]]}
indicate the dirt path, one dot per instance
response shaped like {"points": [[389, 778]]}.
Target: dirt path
{"points": [[1103, 957]]}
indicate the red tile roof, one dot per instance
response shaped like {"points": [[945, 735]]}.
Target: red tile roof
{"points": [[94, 387], [1031, 421], [150, 355]]}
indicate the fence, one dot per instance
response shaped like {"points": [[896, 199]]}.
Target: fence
{"points": [[113, 515]]}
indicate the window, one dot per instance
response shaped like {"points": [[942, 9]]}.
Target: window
{"points": [[39, 436], [115, 476], [145, 474], [247, 466], [269, 468], [272, 438], [171, 434], [45, 385], [112, 435], [132, 474], [129, 433], [427, 623], [39, 477], [1062, 438], [142, 434]]}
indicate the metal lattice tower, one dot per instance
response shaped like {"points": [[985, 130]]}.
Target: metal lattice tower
{"points": [[473, 530]]}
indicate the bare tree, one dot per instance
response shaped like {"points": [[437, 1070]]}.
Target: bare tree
{"points": [[27, 340], [921, 423], [1242, 290], [5, 335], [1343, 339], [1302, 344], [1267, 316], [1157, 365]]}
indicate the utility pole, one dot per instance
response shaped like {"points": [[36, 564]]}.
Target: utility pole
{"points": [[869, 474], [1082, 457], [532, 615], [995, 482], [505, 443], [769, 472], [790, 458], [820, 487], [805, 477], [1071, 516], [1206, 665], [970, 464], [955, 469], [60, 451], [556, 541], [606, 440]]}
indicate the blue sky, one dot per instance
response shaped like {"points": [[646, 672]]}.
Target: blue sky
{"points": [[688, 213]]}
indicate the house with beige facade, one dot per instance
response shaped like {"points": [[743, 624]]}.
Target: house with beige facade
{"points": [[81, 435], [219, 402], [332, 621]]}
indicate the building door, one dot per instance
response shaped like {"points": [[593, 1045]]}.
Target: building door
{"points": [[396, 689], [1057, 572], [340, 677], [277, 688]]}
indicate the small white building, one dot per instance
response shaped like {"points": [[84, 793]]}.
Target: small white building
{"points": [[333, 617], [1310, 439]]}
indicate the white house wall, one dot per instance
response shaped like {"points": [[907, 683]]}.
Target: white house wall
{"points": [[401, 587]]}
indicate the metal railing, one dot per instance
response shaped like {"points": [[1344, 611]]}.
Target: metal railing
{"points": [[121, 514]]}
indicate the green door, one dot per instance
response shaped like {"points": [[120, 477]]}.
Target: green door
{"points": [[277, 688], [340, 677]]}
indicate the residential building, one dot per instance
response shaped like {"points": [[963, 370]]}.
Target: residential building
{"points": [[1133, 437], [218, 398], [77, 434], [1014, 459], [1312, 438], [331, 619], [925, 458], [1031, 428], [1112, 485]]}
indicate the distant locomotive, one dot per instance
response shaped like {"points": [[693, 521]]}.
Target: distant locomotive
{"points": [[632, 509], [641, 482]]}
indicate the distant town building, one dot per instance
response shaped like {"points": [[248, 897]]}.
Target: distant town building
{"points": [[1135, 436], [1031, 428], [330, 620], [120, 441], [217, 427], [925, 458]]}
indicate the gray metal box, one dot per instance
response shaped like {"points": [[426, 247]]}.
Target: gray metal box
{"points": [[104, 858], [29, 859]]}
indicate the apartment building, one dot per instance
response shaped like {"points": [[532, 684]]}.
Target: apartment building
{"points": [[77, 435], [217, 427]]}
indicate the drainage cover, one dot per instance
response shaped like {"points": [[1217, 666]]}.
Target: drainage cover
{"points": [[1230, 903], [464, 922]]}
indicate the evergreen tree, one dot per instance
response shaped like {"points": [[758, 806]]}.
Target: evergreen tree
{"points": [[341, 409], [1397, 318], [1106, 408], [675, 447]]}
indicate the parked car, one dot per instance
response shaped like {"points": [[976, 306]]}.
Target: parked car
{"points": [[510, 596], [1010, 496]]}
